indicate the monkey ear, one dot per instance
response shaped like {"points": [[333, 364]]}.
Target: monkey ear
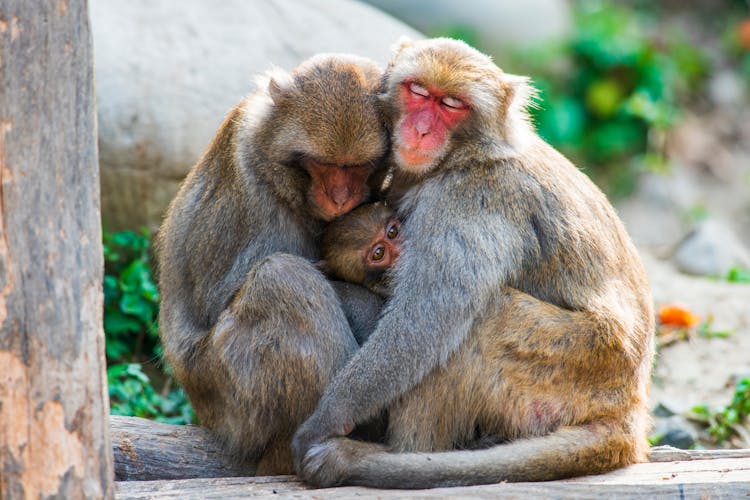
{"points": [[517, 129], [279, 84], [402, 43], [520, 93]]}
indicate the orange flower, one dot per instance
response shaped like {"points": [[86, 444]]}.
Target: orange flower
{"points": [[677, 315], [743, 33]]}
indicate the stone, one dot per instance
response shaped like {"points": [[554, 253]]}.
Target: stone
{"points": [[679, 438], [654, 215], [496, 25], [711, 249], [726, 88], [674, 431], [166, 74]]}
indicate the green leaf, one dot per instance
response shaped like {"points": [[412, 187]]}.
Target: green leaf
{"points": [[738, 275], [562, 121], [603, 97], [136, 306], [116, 322]]}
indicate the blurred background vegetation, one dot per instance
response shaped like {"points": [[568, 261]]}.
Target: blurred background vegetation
{"points": [[139, 383], [609, 92]]}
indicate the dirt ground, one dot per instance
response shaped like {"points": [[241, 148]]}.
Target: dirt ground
{"points": [[700, 370]]}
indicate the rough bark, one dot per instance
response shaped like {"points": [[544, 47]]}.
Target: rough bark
{"points": [[54, 439], [147, 450]]}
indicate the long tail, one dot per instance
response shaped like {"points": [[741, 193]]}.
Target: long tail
{"points": [[567, 452]]}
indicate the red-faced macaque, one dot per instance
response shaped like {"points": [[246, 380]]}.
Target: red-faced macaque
{"points": [[361, 246], [520, 313], [253, 330]]}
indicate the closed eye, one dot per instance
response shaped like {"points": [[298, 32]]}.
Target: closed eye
{"points": [[417, 89], [453, 103]]}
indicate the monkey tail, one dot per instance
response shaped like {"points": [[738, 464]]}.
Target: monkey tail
{"points": [[567, 452]]}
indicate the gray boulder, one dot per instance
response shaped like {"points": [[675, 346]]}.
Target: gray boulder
{"points": [[167, 72], [497, 25], [711, 249]]}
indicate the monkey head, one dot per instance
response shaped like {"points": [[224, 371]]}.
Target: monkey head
{"points": [[361, 245], [444, 97], [324, 134]]}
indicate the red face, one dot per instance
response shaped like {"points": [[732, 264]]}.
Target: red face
{"points": [[335, 189], [430, 116], [385, 248]]}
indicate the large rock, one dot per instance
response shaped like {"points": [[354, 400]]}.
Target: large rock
{"points": [[496, 25], [167, 72]]}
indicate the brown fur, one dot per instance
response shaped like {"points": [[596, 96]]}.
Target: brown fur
{"points": [[520, 313], [253, 330]]}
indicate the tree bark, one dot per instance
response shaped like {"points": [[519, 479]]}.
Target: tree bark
{"points": [[54, 439], [146, 450]]}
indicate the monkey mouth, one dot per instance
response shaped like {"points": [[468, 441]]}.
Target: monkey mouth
{"points": [[413, 158]]}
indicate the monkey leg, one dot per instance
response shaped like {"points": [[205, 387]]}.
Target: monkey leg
{"points": [[279, 342], [442, 412], [530, 373]]}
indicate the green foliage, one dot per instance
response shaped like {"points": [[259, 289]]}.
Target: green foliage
{"points": [[131, 300], [131, 307], [722, 424], [738, 275], [705, 330], [608, 94], [131, 393]]}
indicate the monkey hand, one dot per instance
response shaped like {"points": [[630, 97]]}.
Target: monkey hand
{"points": [[312, 445], [335, 461]]}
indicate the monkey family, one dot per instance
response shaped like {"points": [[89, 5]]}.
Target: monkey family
{"points": [[516, 324]]}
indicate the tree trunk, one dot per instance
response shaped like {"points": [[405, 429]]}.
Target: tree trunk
{"points": [[54, 437]]}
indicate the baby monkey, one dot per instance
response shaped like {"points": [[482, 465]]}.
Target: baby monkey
{"points": [[360, 246]]}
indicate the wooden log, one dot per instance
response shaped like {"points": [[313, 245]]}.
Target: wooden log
{"points": [[146, 450], [54, 439], [712, 478]]}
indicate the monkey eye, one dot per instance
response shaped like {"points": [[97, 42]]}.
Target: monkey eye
{"points": [[378, 253], [392, 231], [453, 103], [417, 89]]}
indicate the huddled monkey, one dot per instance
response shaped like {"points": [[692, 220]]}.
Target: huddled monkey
{"points": [[519, 313], [360, 246], [252, 328]]}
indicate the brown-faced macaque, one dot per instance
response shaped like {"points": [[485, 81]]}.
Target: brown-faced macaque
{"points": [[253, 329], [361, 246], [520, 311]]}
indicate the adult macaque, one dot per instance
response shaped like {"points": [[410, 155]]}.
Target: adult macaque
{"points": [[361, 246], [253, 330], [520, 311]]}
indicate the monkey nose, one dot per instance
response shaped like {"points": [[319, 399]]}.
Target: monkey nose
{"points": [[340, 195], [422, 129]]}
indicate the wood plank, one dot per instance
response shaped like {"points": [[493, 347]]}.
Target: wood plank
{"points": [[670, 454], [713, 478]]}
